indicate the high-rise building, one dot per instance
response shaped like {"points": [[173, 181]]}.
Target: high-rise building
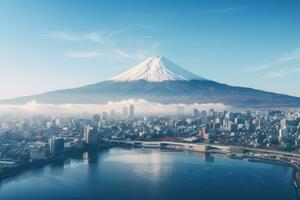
{"points": [[96, 118], [125, 112], [203, 114], [282, 133], [204, 135], [283, 123], [104, 116], [37, 154], [86, 132], [227, 115], [90, 135], [112, 113], [56, 145], [212, 112], [131, 111], [196, 113]]}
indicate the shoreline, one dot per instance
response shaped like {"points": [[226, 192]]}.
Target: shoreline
{"points": [[51, 160], [295, 175]]}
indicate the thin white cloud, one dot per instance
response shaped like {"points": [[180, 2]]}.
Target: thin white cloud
{"points": [[124, 54], [93, 36], [96, 37], [139, 55], [290, 57], [281, 73], [116, 53], [89, 54], [64, 36], [112, 47]]}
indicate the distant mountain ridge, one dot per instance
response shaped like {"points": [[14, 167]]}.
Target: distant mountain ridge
{"points": [[159, 80]]}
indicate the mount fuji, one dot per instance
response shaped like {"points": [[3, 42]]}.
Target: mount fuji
{"points": [[158, 79], [157, 69]]}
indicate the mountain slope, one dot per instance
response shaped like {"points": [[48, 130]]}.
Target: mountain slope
{"points": [[159, 80], [196, 91]]}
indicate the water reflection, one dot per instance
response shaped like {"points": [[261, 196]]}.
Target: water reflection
{"points": [[57, 168], [209, 158], [148, 165], [151, 174]]}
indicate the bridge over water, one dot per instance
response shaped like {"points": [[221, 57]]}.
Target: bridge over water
{"points": [[203, 147], [199, 147]]}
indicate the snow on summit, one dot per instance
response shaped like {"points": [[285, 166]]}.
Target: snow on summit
{"points": [[156, 69]]}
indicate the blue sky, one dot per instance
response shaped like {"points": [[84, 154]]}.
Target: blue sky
{"points": [[49, 45]]}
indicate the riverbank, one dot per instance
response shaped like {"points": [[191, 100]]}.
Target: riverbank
{"points": [[296, 170], [24, 166]]}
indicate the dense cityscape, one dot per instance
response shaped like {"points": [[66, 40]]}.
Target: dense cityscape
{"points": [[39, 139]]}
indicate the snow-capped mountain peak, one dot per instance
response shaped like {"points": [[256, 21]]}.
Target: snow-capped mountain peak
{"points": [[156, 69]]}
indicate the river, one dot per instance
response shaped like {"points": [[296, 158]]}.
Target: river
{"points": [[151, 174]]}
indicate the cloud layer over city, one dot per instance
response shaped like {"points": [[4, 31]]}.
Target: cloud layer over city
{"points": [[141, 107]]}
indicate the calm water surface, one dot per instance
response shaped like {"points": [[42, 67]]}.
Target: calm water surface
{"points": [[151, 174]]}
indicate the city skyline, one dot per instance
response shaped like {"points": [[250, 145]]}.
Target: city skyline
{"points": [[250, 139], [48, 45]]}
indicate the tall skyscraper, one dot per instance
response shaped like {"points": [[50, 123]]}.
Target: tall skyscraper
{"points": [[104, 116], [96, 118], [112, 113], [282, 133], [125, 112], [90, 135], [56, 145], [212, 112], [196, 113], [86, 132], [283, 123], [131, 111]]}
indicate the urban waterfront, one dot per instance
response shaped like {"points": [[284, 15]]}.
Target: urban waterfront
{"points": [[119, 173]]}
